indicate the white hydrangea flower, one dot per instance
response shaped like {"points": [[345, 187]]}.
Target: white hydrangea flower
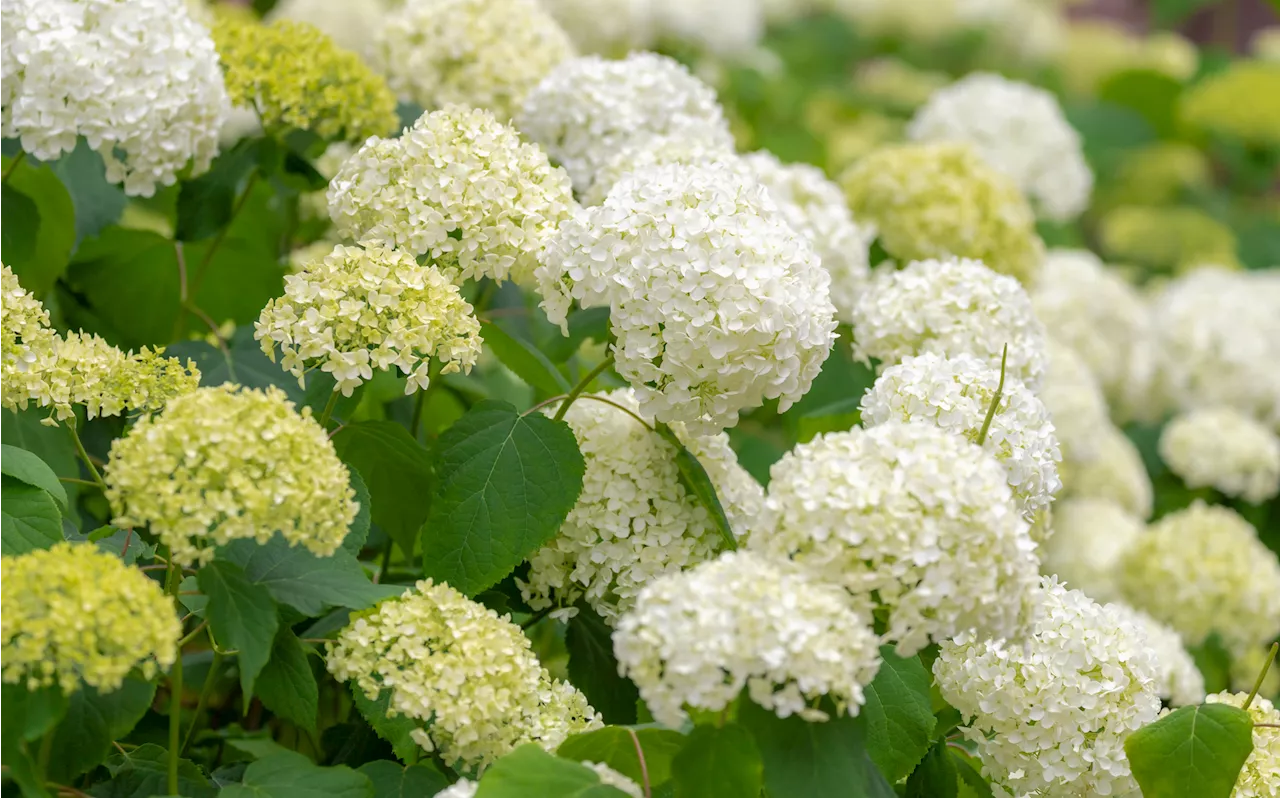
{"points": [[1049, 717], [458, 186], [350, 23], [722, 27], [1222, 448], [815, 207], [915, 515], [1203, 570], [615, 779], [956, 393], [139, 80], [1245, 667], [1115, 472], [462, 788], [1094, 311], [590, 110], [1020, 130], [1178, 680], [716, 303], [698, 637], [1089, 537], [658, 151], [482, 53], [1261, 772], [950, 307], [634, 520], [1075, 402], [363, 308], [606, 27]]}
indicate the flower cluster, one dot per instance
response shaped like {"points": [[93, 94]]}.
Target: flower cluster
{"points": [[1261, 772], [896, 83], [615, 779], [658, 151], [361, 308], [1049, 717], [717, 304], [942, 200], [139, 80], [589, 111], [1173, 238], [1090, 535], [74, 614], [911, 517], [1075, 402], [634, 520], [697, 638], [956, 393], [1178, 680], [605, 27], [294, 76], [1114, 472], [1018, 129], [1095, 50], [482, 53], [950, 307], [1203, 570], [466, 674], [1158, 174], [350, 25], [226, 463], [1242, 101], [26, 342], [458, 186], [1219, 447]]}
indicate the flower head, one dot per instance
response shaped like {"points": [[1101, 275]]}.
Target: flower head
{"points": [[226, 463], [467, 675], [911, 518], [74, 614], [1178, 680], [1170, 238], [1090, 535], [658, 151], [350, 25], [139, 80], [1224, 449], [1075, 402], [27, 342], [1261, 772], [1241, 101], [697, 638], [942, 200], [1114, 471], [458, 186], [605, 27]]}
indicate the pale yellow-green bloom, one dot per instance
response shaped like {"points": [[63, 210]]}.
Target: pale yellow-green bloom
{"points": [[1174, 238], [1093, 51], [226, 463], [74, 614], [896, 84], [1156, 175], [860, 136], [294, 76], [1242, 102], [1113, 471], [26, 341], [1265, 44], [942, 200]]}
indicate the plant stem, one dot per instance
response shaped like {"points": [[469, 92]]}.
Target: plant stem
{"points": [[209, 681], [995, 400], [536, 617], [174, 579], [45, 753], [84, 455], [17, 159], [424, 397], [582, 386], [644, 768], [327, 413], [1266, 666], [73, 481], [222, 234]]}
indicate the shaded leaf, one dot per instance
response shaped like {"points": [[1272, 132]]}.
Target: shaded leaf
{"points": [[27, 467], [55, 236], [144, 771], [93, 720], [394, 730], [242, 616], [593, 669], [393, 780], [803, 759], [205, 202], [398, 472], [286, 684], [21, 228], [935, 776], [696, 480], [614, 746], [29, 518], [523, 358], [718, 763], [120, 272], [530, 771], [97, 203], [291, 775]]}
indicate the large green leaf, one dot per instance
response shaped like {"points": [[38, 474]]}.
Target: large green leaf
{"points": [[93, 720], [21, 227], [306, 582], [29, 518], [398, 472], [696, 480], [394, 730], [393, 780], [286, 684], [291, 775], [523, 358], [1193, 752], [620, 749], [27, 717], [27, 467], [144, 771], [97, 203], [127, 283], [898, 714], [803, 759], [935, 776], [242, 615], [51, 444], [593, 669], [56, 233], [530, 771], [1151, 94], [243, 364], [506, 484], [205, 203], [718, 763]]}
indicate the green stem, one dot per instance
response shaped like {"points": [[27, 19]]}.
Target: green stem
{"points": [[536, 617], [424, 397], [582, 386], [17, 159], [1266, 666], [327, 413], [45, 754], [209, 681], [174, 579], [84, 455], [995, 400]]}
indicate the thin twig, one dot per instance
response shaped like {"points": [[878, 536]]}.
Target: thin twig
{"points": [[74, 481], [17, 159], [1266, 666], [84, 455], [582, 386], [193, 634], [644, 767]]}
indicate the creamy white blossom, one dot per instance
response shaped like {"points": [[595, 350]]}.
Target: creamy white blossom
{"points": [[1178, 680], [915, 515], [727, 28], [716, 303], [1050, 717], [350, 23], [139, 80], [697, 638], [606, 27], [462, 788], [1260, 776], [658, 151], [1221, 448], [615, 779], [1115, 471], [1090, 535], [1075, 402]]}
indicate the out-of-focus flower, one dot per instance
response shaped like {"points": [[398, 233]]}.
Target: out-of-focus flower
{"points": [[1095, 50], [1156, 175], [1247, 664], [1115, 472], [1222, 448], [1173, 238], [350, 23], [1261, 772], [609, 28], [1089, 537], [1075, 402], [1265, 44], [1178, 681], [725, 28], [896, 84], [1242, 101]]}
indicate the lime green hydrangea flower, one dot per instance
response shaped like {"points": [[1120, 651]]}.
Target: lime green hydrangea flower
{"points": [[227, 463], [1242, 102], [1094, 50], [295, 76], [942, 200], [74, 614], [1174, 238], [1157, 175], [26, 341], [897, 85]]}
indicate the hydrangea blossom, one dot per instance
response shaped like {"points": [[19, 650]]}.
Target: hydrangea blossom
{"points": [[483, 53], [1178, 680], [350, 25], [1203, 570], [634, 520], [956, 393], [26, 342], [717, 304], [590, 110], [74, 614], [658, 151], [1261, 772], [1049, 717], [1219, 447], [1018, 129], [606, 27], [361, 308], [1242, 101], [1075, 402], [915, 515], [1090, 535], [226, 463], [139, 80], [1115, 472], [728, 28], [697, 638], [615, 779], [941, 200], [950, 307], [1174, 238], [468, 676], [458, 186]]}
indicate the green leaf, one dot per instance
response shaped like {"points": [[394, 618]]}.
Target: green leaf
{"points": [[969, 775], [616, 747], [119, 274], [93, 720], [393, 780], [358, 532], [935, 776], [1172, 13], [398, 472], [718, 763], [695, 480], [21, 227], [593, 669], [1151, 94], [27, 467], [530, 771], [803, 759], [97, 203], [291, 775], [523, 358], [394, 730], [29, 518], [242, 616], [590, 323], [27, 716], [836, 417], [51, 444], [205, 203], [506, 484], [899, 714], [144, 771], [243, 364], [56, 235], [1193, 752], [286, 685]]}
